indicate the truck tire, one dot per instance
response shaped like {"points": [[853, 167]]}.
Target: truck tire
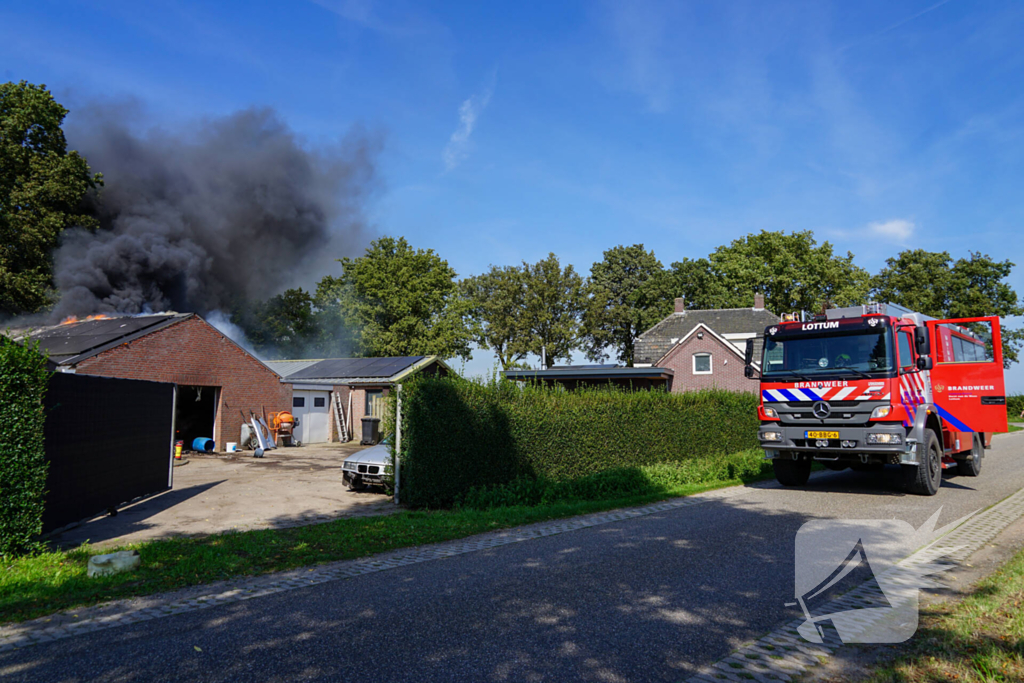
{"points": [[972, 467], [791, 472], [925, 478]]}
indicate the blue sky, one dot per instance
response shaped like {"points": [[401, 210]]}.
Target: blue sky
{"points": [[511, 130]]}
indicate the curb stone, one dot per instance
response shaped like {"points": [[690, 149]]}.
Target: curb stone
{"points": [[87, 620]]}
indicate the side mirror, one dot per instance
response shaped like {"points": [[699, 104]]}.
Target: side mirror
{"points": [[748, 355], [924, 363], [921, 341], [748, 371]]}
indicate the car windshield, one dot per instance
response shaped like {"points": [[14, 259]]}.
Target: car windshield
{"points": [[854, 352]]}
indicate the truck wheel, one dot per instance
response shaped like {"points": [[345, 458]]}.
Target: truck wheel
{"points": [[791, 472], [925, 477], [972, 467]]}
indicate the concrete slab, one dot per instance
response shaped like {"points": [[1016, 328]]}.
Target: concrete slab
{"points": [[220, 492]]}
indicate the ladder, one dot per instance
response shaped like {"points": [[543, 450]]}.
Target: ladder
{"points": [[339, 418]]}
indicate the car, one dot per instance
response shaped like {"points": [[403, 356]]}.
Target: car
{"points": [[367, 467]]}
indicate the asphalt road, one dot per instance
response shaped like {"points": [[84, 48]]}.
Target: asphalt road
{"points": [[648, 599]]}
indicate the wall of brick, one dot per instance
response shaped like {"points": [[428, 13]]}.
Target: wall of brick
{"points": [[726, 366], [193, 352]]}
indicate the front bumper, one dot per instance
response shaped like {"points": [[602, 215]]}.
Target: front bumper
{"points": [[794, 441], [367, 473]]}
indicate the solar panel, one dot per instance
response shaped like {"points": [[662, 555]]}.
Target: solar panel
{"points": [[356, 367], [73, 339]]}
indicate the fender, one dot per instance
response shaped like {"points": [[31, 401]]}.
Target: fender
{"points": [[927, 418]]}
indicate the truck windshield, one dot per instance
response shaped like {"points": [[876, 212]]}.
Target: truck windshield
{"points": [[834, 354]]}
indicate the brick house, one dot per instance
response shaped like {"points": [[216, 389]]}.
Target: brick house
{"points": [[334, 391], [216, 380], [705, 349]]}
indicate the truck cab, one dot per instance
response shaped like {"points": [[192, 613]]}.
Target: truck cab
{"points": [[872, 385]]}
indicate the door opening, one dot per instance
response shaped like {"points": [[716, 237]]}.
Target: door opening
{"points": [[195, 411]]}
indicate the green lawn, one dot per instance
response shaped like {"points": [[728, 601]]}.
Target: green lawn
{"points": [[53, 581], [979, 639]]}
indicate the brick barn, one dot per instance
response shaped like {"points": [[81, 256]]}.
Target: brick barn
{"points": [[217, 380]]}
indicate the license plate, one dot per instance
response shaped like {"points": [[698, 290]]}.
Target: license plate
{"points": [[822, 435]]}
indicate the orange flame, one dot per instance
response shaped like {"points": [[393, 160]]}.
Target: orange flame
{"points": [[75, 319]]}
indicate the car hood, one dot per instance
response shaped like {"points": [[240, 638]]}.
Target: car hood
{"points": [[374, 455]]}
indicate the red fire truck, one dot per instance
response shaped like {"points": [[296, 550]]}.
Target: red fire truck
{"points": [[866, 386]]}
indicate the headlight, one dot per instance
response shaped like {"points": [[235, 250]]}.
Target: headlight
{"points": [[770, 412], [885, 438], [771, 436], [881, 411]]}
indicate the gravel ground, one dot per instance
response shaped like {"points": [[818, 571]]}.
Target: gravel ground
{"points": [[647, 599]]}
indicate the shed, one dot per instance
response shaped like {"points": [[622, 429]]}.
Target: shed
{"points": [[217, 380], [575, 376], [333, 392]]}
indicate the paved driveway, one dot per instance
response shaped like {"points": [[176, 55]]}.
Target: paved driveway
{"points": [[646, 599], [211, 494]]}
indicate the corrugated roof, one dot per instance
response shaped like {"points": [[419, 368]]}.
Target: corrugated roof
{"points": [[70, 343], [356, 368], [286, 367], [653, 344], [589, 372]]}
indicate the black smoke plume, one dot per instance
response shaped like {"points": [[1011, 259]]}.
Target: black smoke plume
{"points": [[231, 212]]}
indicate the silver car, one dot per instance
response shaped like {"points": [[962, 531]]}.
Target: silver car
{"points": [[367, 467]]}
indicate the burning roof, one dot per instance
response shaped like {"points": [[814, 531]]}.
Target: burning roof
{"points": [[75, 339]]}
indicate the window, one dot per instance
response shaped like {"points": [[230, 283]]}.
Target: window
{"points": [[319, 402], [969, 342], [298, 401], [374, 403], [702, 363], [906, 354]]}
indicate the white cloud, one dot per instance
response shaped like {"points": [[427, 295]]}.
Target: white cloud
{"points": [[896, 230], [457, 149]]}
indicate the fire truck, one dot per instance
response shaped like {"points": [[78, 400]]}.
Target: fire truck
{"points": [[873, 385]]}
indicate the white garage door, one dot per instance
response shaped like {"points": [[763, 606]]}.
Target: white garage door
{"points": [[313, 410]]}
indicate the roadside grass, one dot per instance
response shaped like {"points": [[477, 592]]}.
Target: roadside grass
{"points": [[53, 581], [979, 638]]}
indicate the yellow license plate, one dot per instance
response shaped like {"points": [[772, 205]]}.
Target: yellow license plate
{"points": [[822, 435]]}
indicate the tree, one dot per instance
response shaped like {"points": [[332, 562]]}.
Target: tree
{"points": [[792, 271], [629, 292], [285, 326], [402, 301], [698, 284], [41, 190], [931, 283], [554, 304], [496, 303]]}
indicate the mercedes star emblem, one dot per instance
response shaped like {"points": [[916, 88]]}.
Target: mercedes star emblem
{"points": [[821, 410]]}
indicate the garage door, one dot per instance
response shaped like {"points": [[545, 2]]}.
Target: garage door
{"points": [[313, 410]]}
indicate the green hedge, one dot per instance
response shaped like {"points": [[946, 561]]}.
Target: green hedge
{"points": [[459, 434], [1014, 405], [23, 380]]}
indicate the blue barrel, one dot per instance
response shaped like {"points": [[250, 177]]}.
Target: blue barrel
{"points": [[203, 444]]}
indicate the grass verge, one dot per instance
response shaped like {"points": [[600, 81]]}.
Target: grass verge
{"points": [[979, 638], [49, 582]]}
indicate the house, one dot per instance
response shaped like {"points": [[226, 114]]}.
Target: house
{"points": [[332, 392], [705, 349], [217, 381], [575, 376]]}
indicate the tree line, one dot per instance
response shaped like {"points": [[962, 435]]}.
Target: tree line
{"points": [[399, 300]]}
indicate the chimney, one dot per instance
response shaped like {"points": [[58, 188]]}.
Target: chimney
{"points": [[758, 301], [681, 304]]}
